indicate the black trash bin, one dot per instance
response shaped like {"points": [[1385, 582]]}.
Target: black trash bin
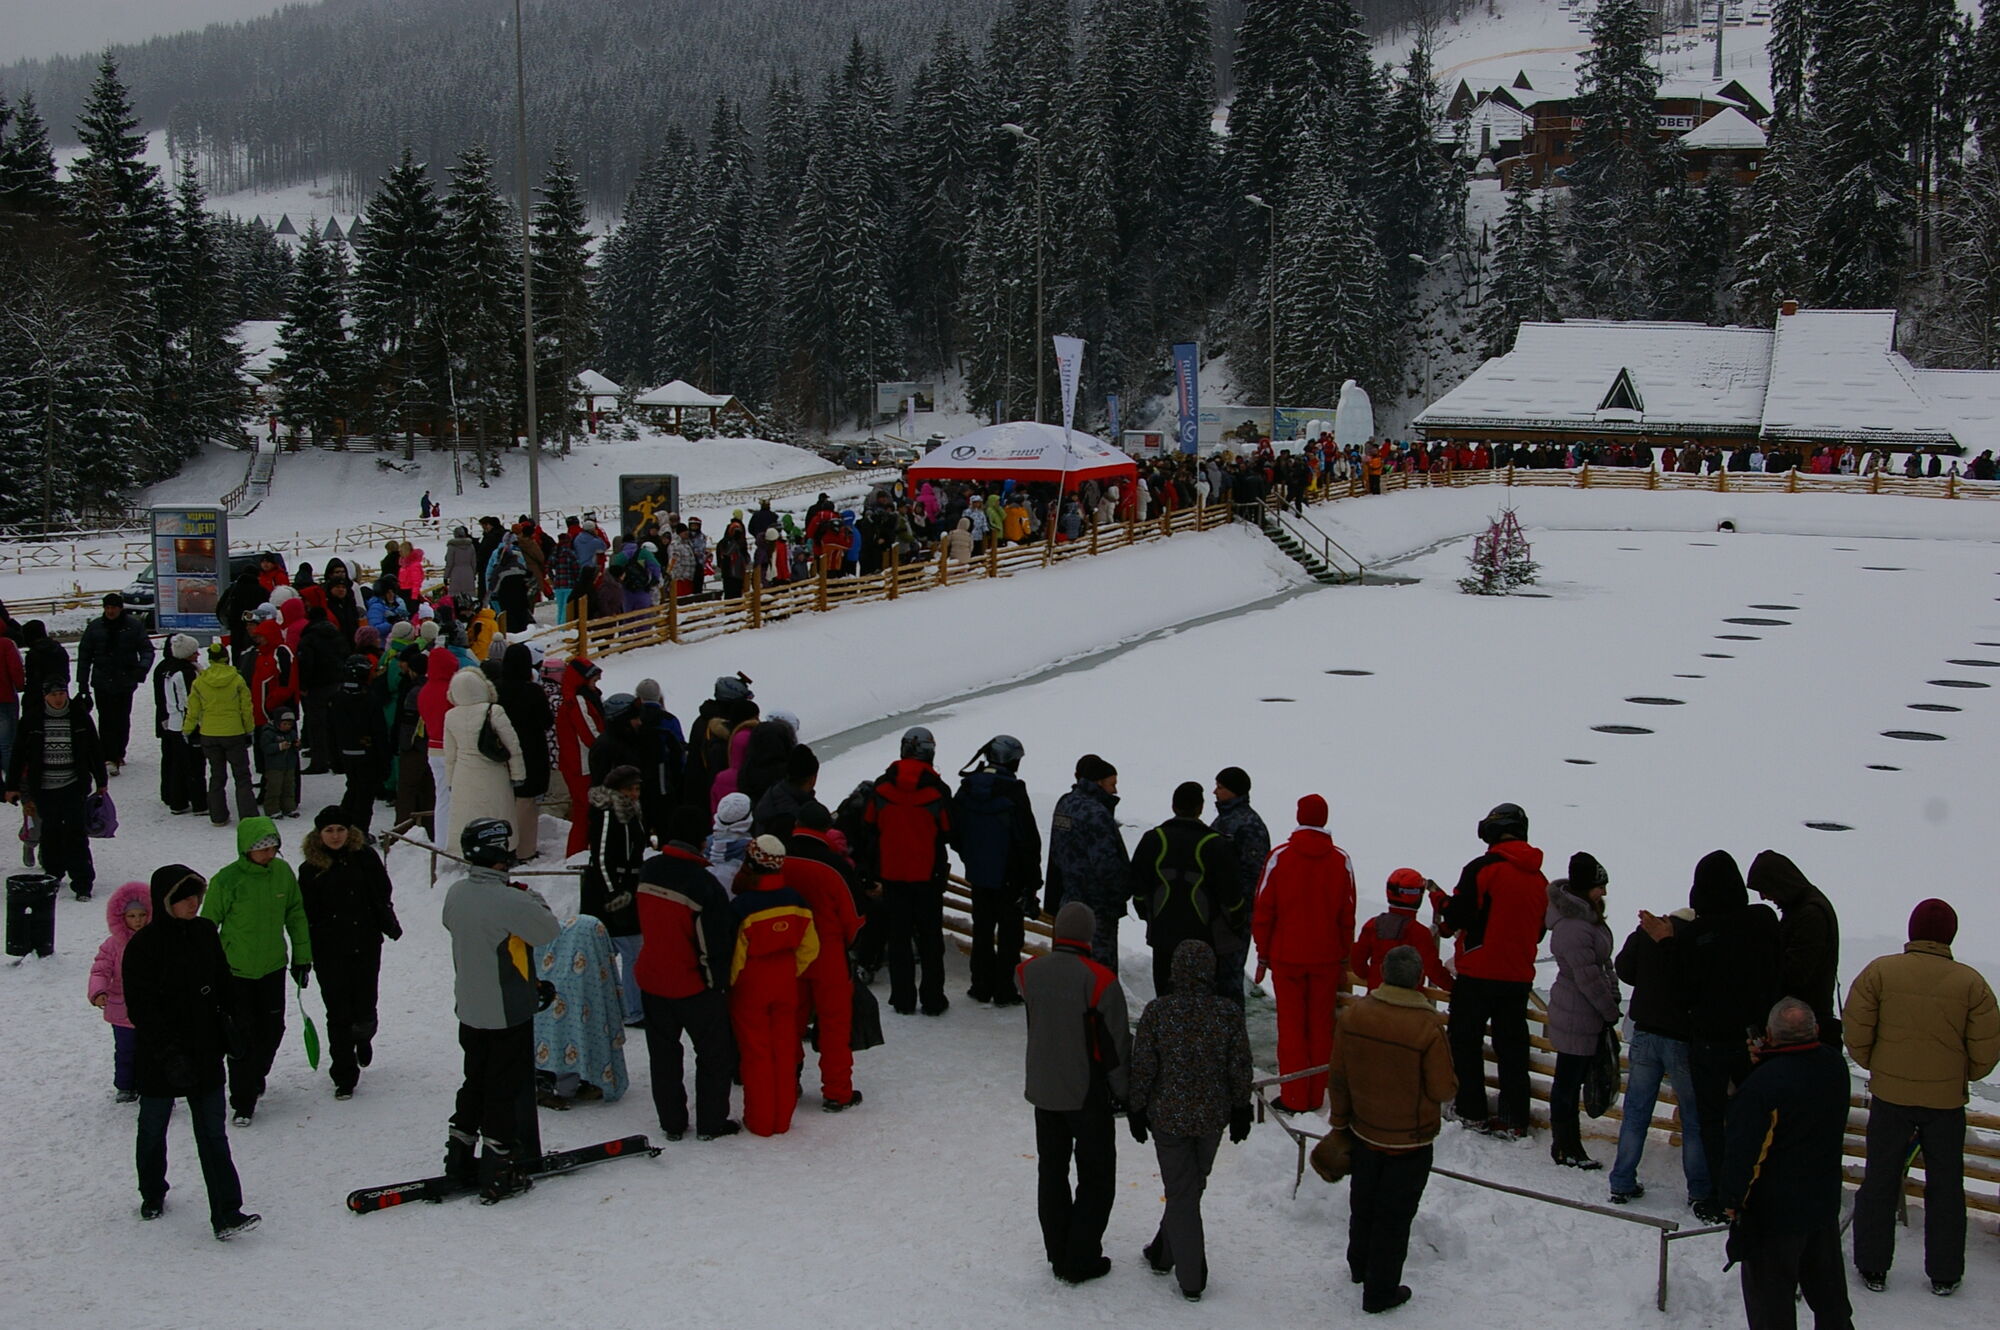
{"points": [[31, 914]]}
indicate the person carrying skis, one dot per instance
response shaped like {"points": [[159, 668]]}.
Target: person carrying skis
{"points": [[494, 926], [255, 904], [1304, 929], [907, 824], [349, 910]]}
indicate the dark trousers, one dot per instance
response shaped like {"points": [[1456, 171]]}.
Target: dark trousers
{"points": [[1941, 1133], [180, 772], [1180, 1243], [364, 787], [996, 942], [1716, 1066], [870, 943], [1229, 971], [704, 1018], [915, 941], [65, 840], [1565, 1092], [124, 1042], [499, 1076], [320, 739], [114, 718], [257, 1006], [1388, 1184], [229, 759], [1073, 1224], [348, 985], [211, 1140], [1474, 1004], [1779, 1268]]}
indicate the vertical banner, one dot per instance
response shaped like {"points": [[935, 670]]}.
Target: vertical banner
{"points": [[1111, 408], [910, 419], [1069, 365], [1187, 394], [190, 569]]}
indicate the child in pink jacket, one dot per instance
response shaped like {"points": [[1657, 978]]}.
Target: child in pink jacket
{"points": [[128, 911]]}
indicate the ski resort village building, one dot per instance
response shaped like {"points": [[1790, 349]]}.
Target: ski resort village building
{"points": [[1533, 121], [1817, 377]]}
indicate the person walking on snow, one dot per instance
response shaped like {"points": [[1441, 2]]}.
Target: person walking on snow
{"points": [[112, 660], [255, 904], [124, 915], [221, 720], [775, 944], [176, 981], [1304, 930], [57, 761], [1087, 858], [1190, 1078], [350, 909], [907, 824]]}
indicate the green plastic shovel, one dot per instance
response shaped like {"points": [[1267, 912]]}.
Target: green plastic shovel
{"points": [[312, 1031]]}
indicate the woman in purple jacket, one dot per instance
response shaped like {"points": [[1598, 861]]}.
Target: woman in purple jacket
{"points": [[1583, 1000]]}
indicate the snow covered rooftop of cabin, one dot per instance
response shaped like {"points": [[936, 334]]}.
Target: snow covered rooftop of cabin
{"points": [[259, 340], [1729, 129], [680, 393], [1967, 401], [596, 385], [1835, 374], [1683, 375]]}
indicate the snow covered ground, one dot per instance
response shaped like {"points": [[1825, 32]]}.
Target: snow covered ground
{"points": [[918, 1208]]}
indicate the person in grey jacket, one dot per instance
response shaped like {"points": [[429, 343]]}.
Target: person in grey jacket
{"points": [[1087, 857], [495, 927], [1079, 1047], [1583, 1000], [1190, 1078], [461, 571]]}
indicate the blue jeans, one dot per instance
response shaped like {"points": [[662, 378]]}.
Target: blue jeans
{"points": [[1653, 1058], [628, 987]]}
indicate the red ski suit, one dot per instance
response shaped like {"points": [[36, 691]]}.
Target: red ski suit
{"points": [[775, 944], [826, 989], [1303, 926], [579, 722]]}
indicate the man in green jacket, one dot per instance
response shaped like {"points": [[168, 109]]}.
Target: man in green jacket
{"points": [[256, 904], [219, 721]]}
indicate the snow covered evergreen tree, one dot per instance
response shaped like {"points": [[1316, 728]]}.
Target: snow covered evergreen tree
{"points": [[206, 397], [1333, 313], [1524, 276], [1619, 168], [946, 139], [397, 299], [314, 367], [1420, 199], [28, 182], [482, 302], [565, 315], [1860, 235]]}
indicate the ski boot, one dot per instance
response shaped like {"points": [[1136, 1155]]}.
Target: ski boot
{"points": [[461, 1163], [500, 1176]]}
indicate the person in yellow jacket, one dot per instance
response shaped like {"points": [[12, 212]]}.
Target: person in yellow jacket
{"points": [[479, 634], [1922, 1025], [1015, 522], [255, 903], [220, 722]]}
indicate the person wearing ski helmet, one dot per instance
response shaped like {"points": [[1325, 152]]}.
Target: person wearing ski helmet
{"points": [[495, 926], [906, 825], [1498, 915], [994, 832]]}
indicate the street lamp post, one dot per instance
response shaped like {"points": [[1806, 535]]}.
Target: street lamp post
{"points": [[1271, 286], [527, 271], [1031, 142]]}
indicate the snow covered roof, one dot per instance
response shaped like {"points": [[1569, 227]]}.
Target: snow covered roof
{"points": [[680, 393], [1729, 130], [1835, 375], [596, 385], [1616, 377], [1969, 402]]}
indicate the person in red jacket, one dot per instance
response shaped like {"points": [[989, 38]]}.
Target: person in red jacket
{"points": [[1303, 929], [775, 944], [1497, 913], [826, 989], [906, 822], [274, 680], [579, 724], [689, 942], [1397, 926]]}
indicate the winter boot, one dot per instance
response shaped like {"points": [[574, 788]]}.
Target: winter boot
{"points": [[500, 1176], [461, 1163]]}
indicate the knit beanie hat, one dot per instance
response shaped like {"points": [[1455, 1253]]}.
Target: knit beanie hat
{"points": [[1403, 967], [218, 652], [403, 631], [182, 647], [333, 815], [1406, 889], [1234, 779], [271, 840], [1312, 811], [1075, 922], [1585, 874], [1091, 767], [733, 813], [427, 632], [768, 853], [281, 594], [1933, 921]]}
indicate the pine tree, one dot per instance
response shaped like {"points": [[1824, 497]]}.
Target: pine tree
{"points": [[1419, 209], [628, 272], [565, 315], [398, 302], [1619, 167], [945, 135], [482, 302], [1966, 332], [27, 165], [1522, 276], [1860, 236], [314, 368], [1774, 259], [1332, 289], [207, 397]]}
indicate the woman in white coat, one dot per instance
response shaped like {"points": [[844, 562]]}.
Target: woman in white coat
{"points": [[480, 787]]}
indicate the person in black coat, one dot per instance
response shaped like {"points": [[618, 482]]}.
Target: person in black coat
{"points": [[55, 763], [350, 908], [356, 716], [1781, 1177], [618, 846], [1808, 937], [175, 976], [1183, 882], [708, 739], [321, 655], [994, 832], [526, 703], [625, 741], [112, 659]]}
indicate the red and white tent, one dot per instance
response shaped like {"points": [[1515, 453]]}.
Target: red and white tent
{"points": [[1028, 453]]}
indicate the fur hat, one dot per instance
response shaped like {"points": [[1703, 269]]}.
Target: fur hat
{"points": [[333, 815]]}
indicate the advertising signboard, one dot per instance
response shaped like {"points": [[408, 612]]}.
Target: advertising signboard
{"points": [[644, 497], [190, 569]]}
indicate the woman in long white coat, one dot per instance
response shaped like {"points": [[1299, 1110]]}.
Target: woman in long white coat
{"points": [[480, 787]]}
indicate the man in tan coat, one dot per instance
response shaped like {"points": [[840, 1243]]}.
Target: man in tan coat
{"points": [[1922, 1025], [1390, 1072]]}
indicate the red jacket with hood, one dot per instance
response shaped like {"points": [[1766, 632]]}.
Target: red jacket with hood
{"points": [[1499, 911], [1305, 903], [909, 817], [579, 721]]}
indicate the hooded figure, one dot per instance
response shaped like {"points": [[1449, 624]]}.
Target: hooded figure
{"points": [[107, 984], [461, 568], [256, 906], [479, 784], [527, 706], [350, 909], [1808, 937]]}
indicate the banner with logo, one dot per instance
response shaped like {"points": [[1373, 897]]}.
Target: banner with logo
{"points": [[1187, 394], [1111, 406], [643, 499], [1069, 366]]}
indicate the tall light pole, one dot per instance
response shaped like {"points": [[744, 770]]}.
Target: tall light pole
{"points": [[1271, 285], [1031, 142], [1720, 17], [527, 270]]}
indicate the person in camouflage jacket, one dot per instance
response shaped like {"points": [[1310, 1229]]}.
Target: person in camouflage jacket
{"points": [[1087, 857]]}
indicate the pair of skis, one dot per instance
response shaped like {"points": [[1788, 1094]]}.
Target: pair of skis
{"points": [[443, 1187]]}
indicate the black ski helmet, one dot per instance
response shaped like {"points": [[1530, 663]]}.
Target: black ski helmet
{"points": [[1004, 750], [1506, 822], [357, 668], [484, 842], [918, 744]]}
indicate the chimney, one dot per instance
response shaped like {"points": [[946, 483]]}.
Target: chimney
{"points": [[1787, 308]]}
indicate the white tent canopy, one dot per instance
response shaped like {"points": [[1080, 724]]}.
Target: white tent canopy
{"points": [[1028, 452], [679, 393]]}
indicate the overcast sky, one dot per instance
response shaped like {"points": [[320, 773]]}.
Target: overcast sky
{"points": [[30, 28]]}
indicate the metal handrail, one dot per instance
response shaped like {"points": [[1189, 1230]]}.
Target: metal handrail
{"points": [[1283, 519]]}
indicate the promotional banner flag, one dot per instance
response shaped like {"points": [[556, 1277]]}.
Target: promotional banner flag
{"points": [[1187, 394], [1069, 364], [1111, 406]]}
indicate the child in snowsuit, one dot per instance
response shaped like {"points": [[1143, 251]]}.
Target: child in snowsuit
{"points": [[278, 746], [124, 914], [1397, 926], [775, 944], [349, 910]]}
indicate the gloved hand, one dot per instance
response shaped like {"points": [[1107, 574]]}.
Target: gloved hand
{"points": [[1239, 1124], [300, 973], [545, 995], [1137, 1122]]}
